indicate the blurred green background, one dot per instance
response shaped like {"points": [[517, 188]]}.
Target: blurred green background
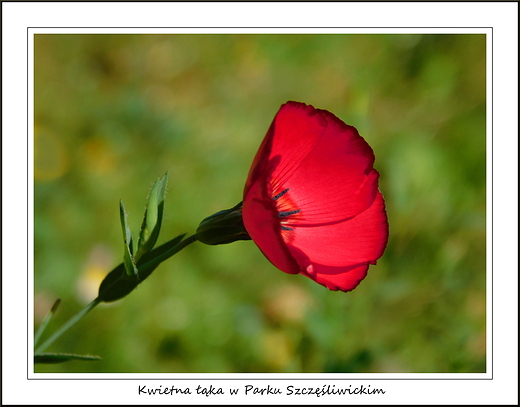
{"points": [[114, 112]]}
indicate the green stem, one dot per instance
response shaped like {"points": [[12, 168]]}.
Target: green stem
{"points": [[66, 326], [152, 263], [169, 253]]}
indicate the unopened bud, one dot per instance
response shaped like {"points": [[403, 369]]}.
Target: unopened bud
{"points": [[223, 227]]}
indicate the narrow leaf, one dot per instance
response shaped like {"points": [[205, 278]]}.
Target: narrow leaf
{"points": [[46, 321], [128, 258], [153, 215], [62, 357]]}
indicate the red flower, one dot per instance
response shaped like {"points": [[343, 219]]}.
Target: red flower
{"points": [[311, 200]]}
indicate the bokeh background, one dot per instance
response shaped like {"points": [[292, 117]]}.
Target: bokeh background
{"points": [[114, 112]]}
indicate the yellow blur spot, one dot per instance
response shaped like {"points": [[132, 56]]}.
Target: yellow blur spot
{"points": [[88, 284], [278, 349], [51, 158], [98, 156], [287, 304], [100, 261]]}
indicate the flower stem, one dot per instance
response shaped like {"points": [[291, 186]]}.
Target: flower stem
{"points": [[150, 264], [169, 253], [66, 326]]}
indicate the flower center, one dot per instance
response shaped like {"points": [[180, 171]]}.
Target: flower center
{"points": [[278, 196], [286, 209]]}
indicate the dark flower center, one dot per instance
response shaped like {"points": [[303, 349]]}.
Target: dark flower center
{"points": [[283, 214], [278, 196], [285, 204]]}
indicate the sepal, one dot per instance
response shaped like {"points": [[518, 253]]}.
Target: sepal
{"points": [[223, 227]]}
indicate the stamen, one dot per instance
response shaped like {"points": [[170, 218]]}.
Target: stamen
{"points": [[286, 228], [278, 196], [283, 214]]}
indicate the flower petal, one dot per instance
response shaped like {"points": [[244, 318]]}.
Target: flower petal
{"points": [[287, 142], [259, 216], [340, 278], [335, 180], [359, 240], [325, 163]]}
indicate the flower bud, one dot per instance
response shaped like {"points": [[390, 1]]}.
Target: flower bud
{"points": [[223, 227]]}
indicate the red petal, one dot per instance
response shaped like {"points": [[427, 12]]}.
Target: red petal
{"points": [[358, 240], [287, 142], [344, 278], [260, 220], [324, 162], [335, 180]]}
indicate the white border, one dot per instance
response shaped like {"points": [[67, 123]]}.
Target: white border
{"points": [[259, 30], [214, 30], [401, 388]]}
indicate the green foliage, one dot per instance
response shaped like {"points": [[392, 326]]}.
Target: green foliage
{"points": [[39, 332], [153, 216], [53, 358], [129, 261], [119, 283], [150, 228], [113, 111]]}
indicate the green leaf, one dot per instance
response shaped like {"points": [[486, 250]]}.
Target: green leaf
{"points": [[62, 357], [71, 322], [117, 284], [153, 215], [128, 258], [46, 321]]}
